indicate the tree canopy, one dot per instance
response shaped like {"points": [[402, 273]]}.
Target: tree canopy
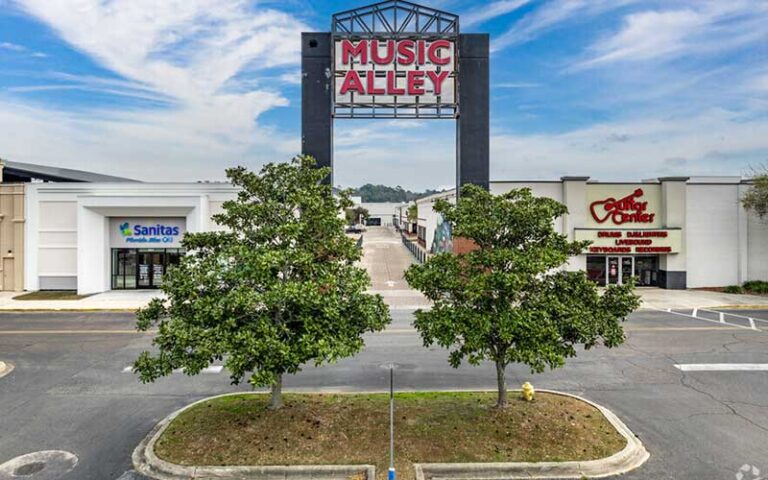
{"points": [[276, 288], [756, 198], [509, 300], [356, 215], [382, 193]]}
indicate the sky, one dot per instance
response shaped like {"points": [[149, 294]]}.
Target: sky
{"points": [[178, 90]]}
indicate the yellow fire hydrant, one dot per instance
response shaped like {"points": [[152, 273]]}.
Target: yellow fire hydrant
{"points": [[528, 392]]}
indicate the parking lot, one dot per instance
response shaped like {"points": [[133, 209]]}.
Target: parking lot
{"points": [[69, 390]]}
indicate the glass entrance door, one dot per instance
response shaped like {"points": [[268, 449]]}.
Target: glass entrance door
{"points": [[142, 268], [620, 269], [151, 269]]}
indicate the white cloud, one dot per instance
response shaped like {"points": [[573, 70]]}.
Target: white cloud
{"points": [[552, 15], [713, 142], [492, 10], [709, 27], [15, 47], [12, 46], [184, 53]]}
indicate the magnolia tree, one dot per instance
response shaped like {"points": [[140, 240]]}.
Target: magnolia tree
{"points": [[508, 300], [756, 198], [356, 215], [276, 288]]}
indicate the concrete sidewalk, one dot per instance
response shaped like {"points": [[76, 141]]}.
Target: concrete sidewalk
{"points": [[663, 299], [114, 300], [386, 259]]}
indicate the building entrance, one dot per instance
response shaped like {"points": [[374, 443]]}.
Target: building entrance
{"points": [[139, 268], [618, 270]]}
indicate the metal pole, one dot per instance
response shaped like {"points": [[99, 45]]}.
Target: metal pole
{"points": [[391, 475]]}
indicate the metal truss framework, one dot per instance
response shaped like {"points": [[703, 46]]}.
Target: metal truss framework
{"points": [[397, 19]]}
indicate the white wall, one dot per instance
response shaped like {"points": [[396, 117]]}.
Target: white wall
{"points": [[67, 236], [383, 210], [427, 215], [712, 235], [757, 243]]}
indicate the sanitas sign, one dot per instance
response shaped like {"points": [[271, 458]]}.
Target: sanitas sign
{"points": [[374, 71], [641, 242], [147, 232]]}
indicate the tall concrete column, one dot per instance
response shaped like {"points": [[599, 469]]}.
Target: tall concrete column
{"points": [[317, 98], [743, 222], [575, 198], [473, 124], [673, 267]]}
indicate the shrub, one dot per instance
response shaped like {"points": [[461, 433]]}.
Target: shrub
{"points": [[756, 286], [733, 289]]}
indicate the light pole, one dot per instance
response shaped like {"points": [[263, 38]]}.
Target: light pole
{"points": [[391, 366]]}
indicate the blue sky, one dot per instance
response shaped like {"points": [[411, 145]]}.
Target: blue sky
{"points": [[180, 89]]}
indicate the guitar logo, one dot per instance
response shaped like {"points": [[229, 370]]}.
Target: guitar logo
{"points": [[623, 210]]}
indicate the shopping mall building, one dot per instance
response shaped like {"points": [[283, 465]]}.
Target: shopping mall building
{"points": [[674, 232], [64, 229]]}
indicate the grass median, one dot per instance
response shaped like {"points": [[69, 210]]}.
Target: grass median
{"points": [[353, 429]]}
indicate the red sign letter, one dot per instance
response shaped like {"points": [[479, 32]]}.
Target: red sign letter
{"points": [[405, 51], [377, 59], [352, 82], [416, 82], [437, 80], [434, 55], [359, 50]]}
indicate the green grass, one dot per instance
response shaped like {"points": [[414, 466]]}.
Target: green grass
{"points": [[51, 295], [353, 429]]}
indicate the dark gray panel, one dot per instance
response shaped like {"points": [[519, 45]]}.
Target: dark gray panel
{"points": [[58, 283], [673, 280], [473, 124], [316, 98]]}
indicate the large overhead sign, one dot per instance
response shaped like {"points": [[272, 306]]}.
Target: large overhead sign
{"points": [[411, 75], [398, 59], [395, 59]]}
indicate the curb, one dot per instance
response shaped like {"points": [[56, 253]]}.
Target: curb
{"points": [[631, 457], [67, 309], [147, 463], [5, 368]]}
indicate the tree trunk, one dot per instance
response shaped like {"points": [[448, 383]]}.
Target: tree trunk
{"points": [[277, 394], [501, 400]]}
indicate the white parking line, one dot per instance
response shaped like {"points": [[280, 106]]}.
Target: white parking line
{"points": [[723, 367], [695, 316], [211, 369]]}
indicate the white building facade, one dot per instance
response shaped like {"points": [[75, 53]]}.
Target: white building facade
{"points": [[94, 237], [674, 232]]}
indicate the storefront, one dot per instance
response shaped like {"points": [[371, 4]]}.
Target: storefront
{"points": [[669, 232], [616, 270], [142, 249], [103, 236]]}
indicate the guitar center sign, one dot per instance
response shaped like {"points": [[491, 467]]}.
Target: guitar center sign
{"points": [[641, 242], [629, 209], [402, 72]]}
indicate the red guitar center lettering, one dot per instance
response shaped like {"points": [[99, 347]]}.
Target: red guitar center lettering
{"points": [[623, 210]]}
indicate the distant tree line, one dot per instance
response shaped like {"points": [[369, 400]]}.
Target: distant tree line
{"points": [[381, 193]]}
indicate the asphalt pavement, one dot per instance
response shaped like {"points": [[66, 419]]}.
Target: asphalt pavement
{"points": [[69, 390]]}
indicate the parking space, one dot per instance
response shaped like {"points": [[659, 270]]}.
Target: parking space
{"points": [[700, 423]]}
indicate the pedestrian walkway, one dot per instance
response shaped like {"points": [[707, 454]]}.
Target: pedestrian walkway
{"points": [[386, 259], [113, 300], [663, 299]]}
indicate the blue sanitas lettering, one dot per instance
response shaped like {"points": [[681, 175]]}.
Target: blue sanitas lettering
{"points": [[156, 230]]}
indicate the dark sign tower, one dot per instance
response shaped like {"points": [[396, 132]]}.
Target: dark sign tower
{"points": [[397, 59]]}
